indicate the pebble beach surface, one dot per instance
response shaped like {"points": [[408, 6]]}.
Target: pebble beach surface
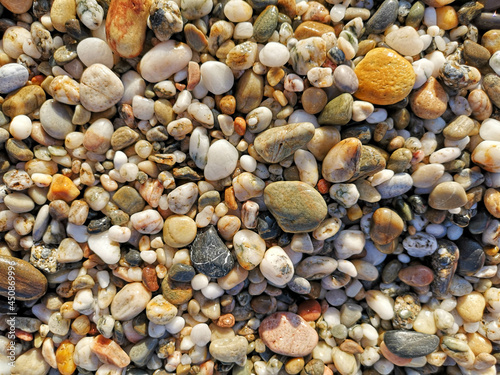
{"points": [[249, 187]]}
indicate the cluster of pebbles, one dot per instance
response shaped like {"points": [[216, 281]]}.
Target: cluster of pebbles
{"points": [[250, 187]]}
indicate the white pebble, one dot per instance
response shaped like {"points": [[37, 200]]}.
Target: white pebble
{"points": [[20, 127], [201, 334], [212, 291], [274, 55], [199, 282]]}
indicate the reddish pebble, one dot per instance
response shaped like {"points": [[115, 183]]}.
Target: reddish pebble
{"points": [[390, 356], [108, 351], [240, 126], [25, 336], [323, 186], [416, 276], [149, 278], [226, 321], [288, 334], [309, 310], [37, 80]]}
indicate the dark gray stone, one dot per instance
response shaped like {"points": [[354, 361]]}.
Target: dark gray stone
{"points": [[141, 352], [209, 254], [444, 263], [384, 17], [471, 258], [410, 344], [181, 272]]}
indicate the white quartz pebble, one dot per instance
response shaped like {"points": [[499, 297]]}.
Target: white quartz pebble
{"points": [[20, 127], [274, 55], [216, 77], [222, 159], [94, 50]]}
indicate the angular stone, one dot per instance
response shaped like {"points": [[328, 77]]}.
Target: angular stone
{"points": [[409, 344], [276, 144], [210, 255], [297, 206]]}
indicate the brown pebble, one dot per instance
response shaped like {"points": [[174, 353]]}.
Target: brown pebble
{"points": [[417, 275], [429, 101], [386, 226], [314, 100], [351, 346]]}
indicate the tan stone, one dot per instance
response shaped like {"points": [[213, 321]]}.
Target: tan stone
{"points": [[429, 101], [471, 307]]}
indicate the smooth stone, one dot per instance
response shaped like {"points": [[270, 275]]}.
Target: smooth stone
{"points": [[181, 272], [297, 206], [472, 256], [12, 77], [210, 255], [126, 26], [130, 301], [56, 119], [342, 161], [410, 344], [386, 225], [242, 56], [142, 352], [164, 60], [107, 249], [399, 184], [97, 138], [274, 55], [385, 77], [249, 91], [427, 175], [30, 283], [249, 248], [406, 41], [429, 101], [475, 54], [491, 84], [309, 29], [222, 159], [458, 128], [345, 79], [276, 144], [447, 196], [444, 263], [420, 244], [194, 9], [30, 362], [18, 150], [471, 307], [338, 111], [123, 137], [416, 276], [129, 200], [179, 231], [371, 161], [230, 350], [100, 88], [491, 40], [216, 77], [288, 334], [95, 51], [23, 102], [487, 156], [265, 24], [384, 17]]}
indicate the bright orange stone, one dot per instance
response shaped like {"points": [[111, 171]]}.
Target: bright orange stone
{"points": [[62, 188], [240, 125], [309, 310], [385, 77], [447, 17], [64, 357]]}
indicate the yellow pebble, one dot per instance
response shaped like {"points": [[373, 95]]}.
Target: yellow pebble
{"points": [[447, 17]]}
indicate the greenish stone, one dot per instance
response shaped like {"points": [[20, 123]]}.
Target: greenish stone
{"points": [[384, 17], [123, 137], [210, 198], [129, 200], [338, 111], [400, 160], [265, 24], [371, 161], [297, 206], [175, 292], [416, 15]]}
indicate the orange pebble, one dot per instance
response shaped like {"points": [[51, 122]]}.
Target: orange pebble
{"points": [[447, 17], [64, 357], [180, 86], [62, 188], [390, 356], [38, 79], [323, 186], [23, 335], [240, 125], [310, 310]]}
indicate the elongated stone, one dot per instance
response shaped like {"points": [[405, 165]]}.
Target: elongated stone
{"points": [[29, 283], [342, 161], [276, 144], [444, 263], [409, 344]]}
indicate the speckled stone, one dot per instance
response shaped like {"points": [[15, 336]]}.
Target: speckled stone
{"points": [[386, 15], [129, 200], [265, 24], [471, 258], [409, 344], [297, 206], [210, 255], [338, 111]]}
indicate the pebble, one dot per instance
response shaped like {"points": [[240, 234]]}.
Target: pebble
{"points": [[276, 266], [265, 24], [216, 77], [384, 17], [338, 111], [31, 362], [408, 344], [164, 60], [121, 306], [100, 88], [384, 76], [209, 254], [405, 41], [232, 350], [288, 334], [179, 231], [447, 196], [12, 77], [23, 102], [416, 276], [95, 51], [296, 206], [429, 101], [276, 144], [470, 307], [342, 161], [386, 226], [274, 55], [222, 158], [31, 284]]}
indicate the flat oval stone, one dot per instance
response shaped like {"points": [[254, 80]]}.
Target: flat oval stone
{"points": [[338, 111], [56, 119], [384, 76], [30, 283], [265, 24], [416, 276], [342, 161], [216, 77], [399, 184], [297, 206], [100, 88], [12, 77], [130, 301], [210, 255], [249, 91], [409, 344], [472, 256], [288, 334], [386, 225], [447, 195], [385, 16], [24, 101], [222, 158], [276, 144], [164, 60]]}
